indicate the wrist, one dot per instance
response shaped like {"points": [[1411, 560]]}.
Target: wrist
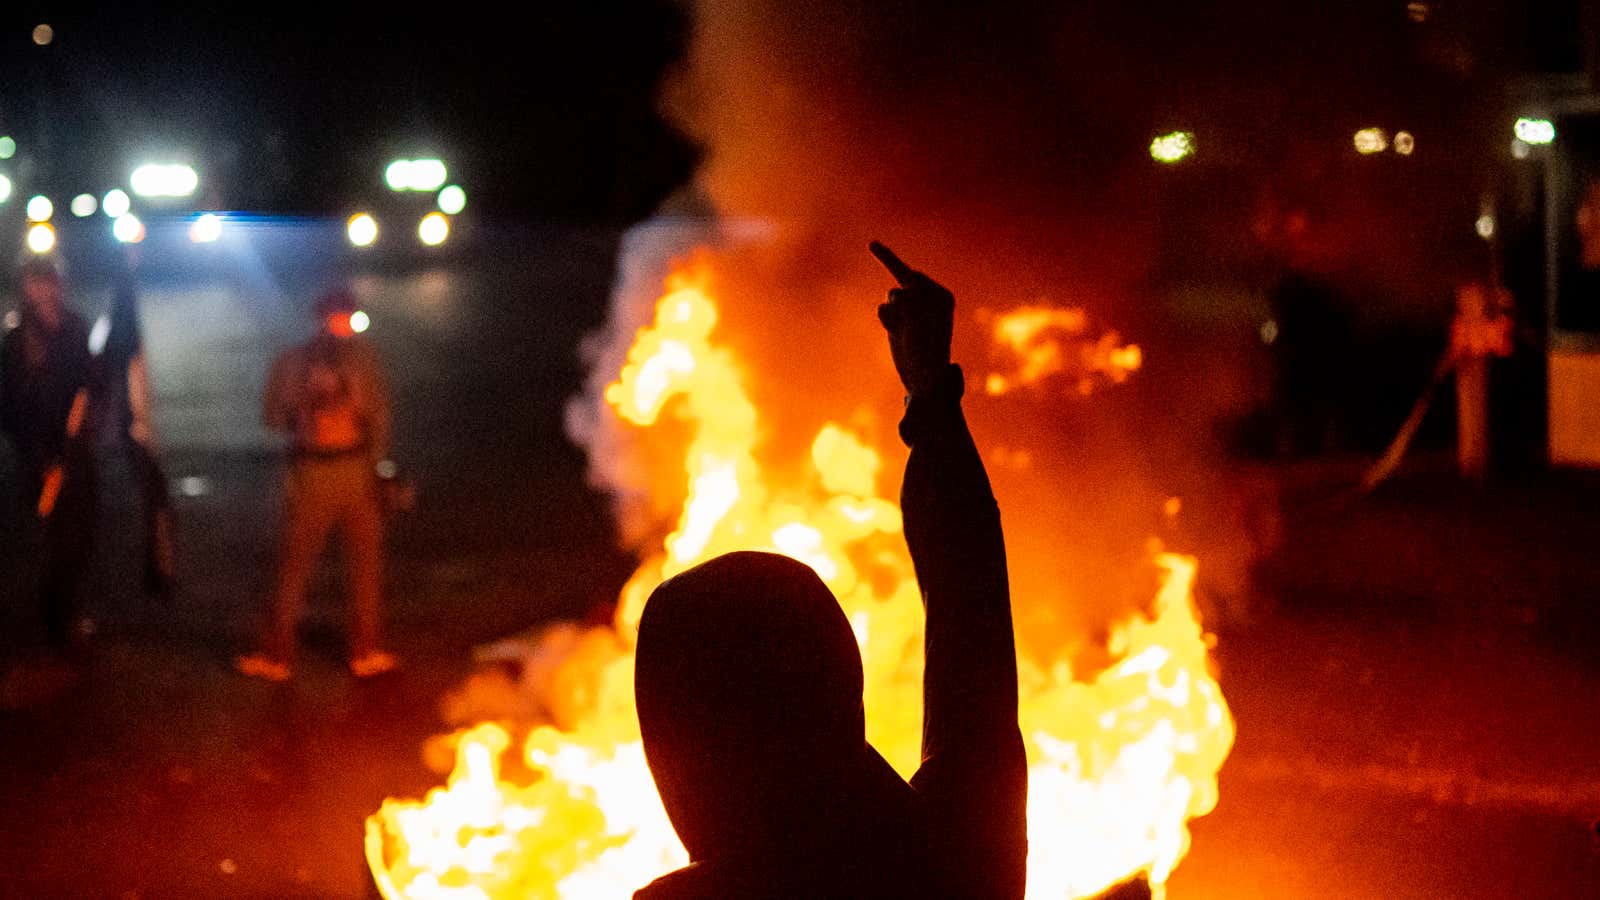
{"points": [[925, 406]]}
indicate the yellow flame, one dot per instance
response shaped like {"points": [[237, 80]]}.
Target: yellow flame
{"points": [[1118, 763]]}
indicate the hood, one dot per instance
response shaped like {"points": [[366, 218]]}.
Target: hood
{"points": [[748, 684]]}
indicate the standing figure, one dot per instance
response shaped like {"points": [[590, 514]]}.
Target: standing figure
{"points": [[329, 396], [46, 374]]}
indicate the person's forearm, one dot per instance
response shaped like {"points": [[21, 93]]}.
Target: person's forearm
{"points": [[953, 530]]}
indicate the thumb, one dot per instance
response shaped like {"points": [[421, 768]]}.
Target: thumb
{"points": [[889, 316]]}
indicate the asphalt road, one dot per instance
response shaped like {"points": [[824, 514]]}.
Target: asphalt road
{"points": [[1415, 683]]}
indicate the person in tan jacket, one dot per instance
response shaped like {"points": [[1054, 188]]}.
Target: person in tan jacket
{"points": [[329, 396]]}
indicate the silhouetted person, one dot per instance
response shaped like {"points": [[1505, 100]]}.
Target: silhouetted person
{"points": [[46, 378], [1313, 350], [330, 397], [126, 417], [749, 689]]}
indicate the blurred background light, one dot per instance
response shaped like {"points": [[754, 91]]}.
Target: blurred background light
{"points": [[41, 238], [1170, 148], [84, 205], [360, 321], [43, 34], [5, 188], [1535, 131], [115, 203], [362, 229], [1404, 143], [433, 229], [1520, 148], [8, 146], [1371, 140], [40, 209], [128, 229], [452, 200], [170, 180], [415, 175], [1485, 226], [205, 229]]}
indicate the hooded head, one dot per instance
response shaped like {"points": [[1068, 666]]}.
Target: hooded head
{"points": [[748, 685]]}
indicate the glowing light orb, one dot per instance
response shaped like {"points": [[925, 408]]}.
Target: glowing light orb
{"points": [[8, 147], [415, 175], [1371, 140], [128, 229], [452, 200], [41, 238], [1404, 143], [205, 229], [362, 229], [360, 321], [433, 229], [43, 35], [158, 180], [84, 205], [40, 209], [1171, 148], [116, 203], [5, 188], [1485, 226], [1535, 131]]}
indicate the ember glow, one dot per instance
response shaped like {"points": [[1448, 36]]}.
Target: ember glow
{"points": [[1044, 344], [1118, 762]]}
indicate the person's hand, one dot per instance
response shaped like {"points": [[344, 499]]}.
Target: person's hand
{"points": [[918, 316]]}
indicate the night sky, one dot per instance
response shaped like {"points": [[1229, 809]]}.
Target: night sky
{"points": [[550, 112]]}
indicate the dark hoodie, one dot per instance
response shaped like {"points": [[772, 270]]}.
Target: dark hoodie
{"points": [[749, 686]]}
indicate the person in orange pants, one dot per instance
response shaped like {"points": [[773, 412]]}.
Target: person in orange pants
{"points": [[329, 396]]}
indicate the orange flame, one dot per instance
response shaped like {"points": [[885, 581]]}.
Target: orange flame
{"points": [[1118, 764], [1048, 342]]}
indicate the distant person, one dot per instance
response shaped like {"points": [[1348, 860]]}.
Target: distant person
{"points": [[749, 689], [1313, 351], [46, 380], [329, 396], [126, 416]]}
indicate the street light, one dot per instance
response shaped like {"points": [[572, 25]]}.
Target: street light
{"points": [[1535, 131], [41, 238], [415, 175], [205, 229], [452, 200], [157, 180], [128, 229], [84, 205], [1171, 148], [1371, 140], [433, 229], [362, 229], [115, 203], [40, 209]]}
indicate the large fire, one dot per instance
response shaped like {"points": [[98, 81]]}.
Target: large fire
{"points": [[1118, 763]]}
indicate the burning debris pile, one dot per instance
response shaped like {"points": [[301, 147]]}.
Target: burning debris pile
{"points": [[566, 809]]}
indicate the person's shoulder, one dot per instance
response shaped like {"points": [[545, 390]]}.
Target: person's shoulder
{"points": [[696, 881]]}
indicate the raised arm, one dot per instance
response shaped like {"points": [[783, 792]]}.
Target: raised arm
{"points": [[974, 771]]}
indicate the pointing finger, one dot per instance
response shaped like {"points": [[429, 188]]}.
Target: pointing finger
{"points": [[902, 273]]}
